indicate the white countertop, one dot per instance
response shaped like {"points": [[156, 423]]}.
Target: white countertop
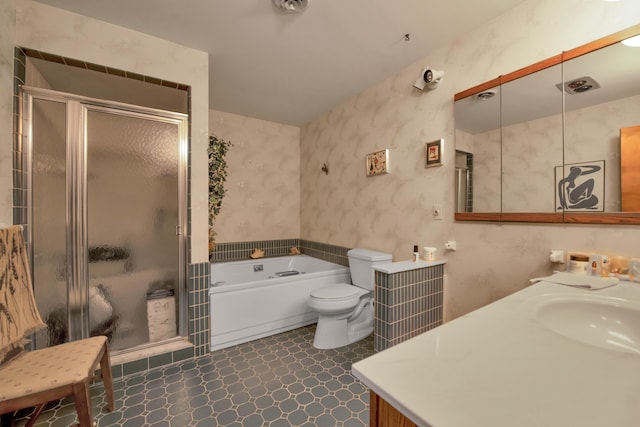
{"points": [[498, 367], [400, 266]]}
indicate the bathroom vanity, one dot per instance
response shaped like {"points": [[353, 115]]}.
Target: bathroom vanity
{"points": [[548, 355]]}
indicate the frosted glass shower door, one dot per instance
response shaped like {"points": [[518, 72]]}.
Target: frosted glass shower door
{"points": [[133, 243], [48, 231], [106, 188]]}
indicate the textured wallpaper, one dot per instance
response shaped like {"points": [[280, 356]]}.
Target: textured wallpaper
{"points": [[263, 187], [393, 212], [7, 34]]}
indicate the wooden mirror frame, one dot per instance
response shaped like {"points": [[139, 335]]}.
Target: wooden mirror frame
{"points": [[552, 217]]}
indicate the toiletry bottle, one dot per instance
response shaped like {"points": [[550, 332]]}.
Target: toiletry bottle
{"points": [[416, 254]]}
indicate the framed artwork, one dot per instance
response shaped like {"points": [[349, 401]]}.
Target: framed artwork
{"points": [[580, 187], [378, 163], [434, 153]]}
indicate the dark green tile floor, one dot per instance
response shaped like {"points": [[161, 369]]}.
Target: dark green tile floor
{"points": [[275, 381]]}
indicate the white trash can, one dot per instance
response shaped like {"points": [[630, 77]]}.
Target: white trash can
{"points": [[161, 314]]}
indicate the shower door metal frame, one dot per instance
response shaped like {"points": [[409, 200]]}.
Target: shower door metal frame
{"points": [[77, 108]]}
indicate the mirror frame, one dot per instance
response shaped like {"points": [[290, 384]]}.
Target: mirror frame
{"points": [[553, 217]]}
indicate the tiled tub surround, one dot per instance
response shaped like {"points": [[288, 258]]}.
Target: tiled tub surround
{"points": [[237, 251], [409, 301]]}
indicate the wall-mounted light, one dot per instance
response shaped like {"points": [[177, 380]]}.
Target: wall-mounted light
{"points": [[429, 78]]}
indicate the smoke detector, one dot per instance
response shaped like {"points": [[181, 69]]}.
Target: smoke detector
{"points": [[579, 85], [291, 6]]}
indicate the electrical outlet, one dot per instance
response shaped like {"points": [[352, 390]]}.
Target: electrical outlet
{"points": [[437, 211]]}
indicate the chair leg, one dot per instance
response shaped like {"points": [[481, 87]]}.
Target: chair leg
{"points": [[35, 415], [83, 403], [6, 420], [107, 377]]}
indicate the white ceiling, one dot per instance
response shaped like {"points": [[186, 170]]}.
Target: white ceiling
{"points": [[291, 68]]}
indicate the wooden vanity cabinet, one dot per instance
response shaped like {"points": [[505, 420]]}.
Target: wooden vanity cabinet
{"points": [[382, 414]]}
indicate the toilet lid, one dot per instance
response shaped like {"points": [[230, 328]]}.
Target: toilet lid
{"points": [[337, 292]]}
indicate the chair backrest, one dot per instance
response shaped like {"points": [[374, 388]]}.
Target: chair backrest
{"points": [[19, 316]]}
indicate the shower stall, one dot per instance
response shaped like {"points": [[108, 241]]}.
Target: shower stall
{"points": [[106, 188]]}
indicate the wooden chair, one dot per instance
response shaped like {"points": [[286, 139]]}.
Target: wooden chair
{"points": [[34, 378], [37, 377]]}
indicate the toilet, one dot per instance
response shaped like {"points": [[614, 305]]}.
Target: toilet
{"points": [[345, 311]]}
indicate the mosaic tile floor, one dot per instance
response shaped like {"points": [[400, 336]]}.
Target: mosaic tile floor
{"points": [[275, 381]]}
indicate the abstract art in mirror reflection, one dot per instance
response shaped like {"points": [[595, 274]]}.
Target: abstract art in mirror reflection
{"points": [[580, 187], [434, 153]]}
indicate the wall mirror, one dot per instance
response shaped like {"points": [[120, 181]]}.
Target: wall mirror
{"points": [[558, 141]]}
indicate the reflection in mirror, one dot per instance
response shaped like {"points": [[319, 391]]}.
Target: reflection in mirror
{"points": [[602, 100], [531, 141], [464, 178], [477, 134], [587, 99]]}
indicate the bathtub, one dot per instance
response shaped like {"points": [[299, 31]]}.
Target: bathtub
{"points": [[257, 298]]}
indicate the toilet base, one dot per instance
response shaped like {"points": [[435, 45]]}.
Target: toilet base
{"points": [[330, 333], [337, 331]]}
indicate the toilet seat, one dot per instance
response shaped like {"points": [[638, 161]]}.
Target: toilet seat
{"points": [[336, 299], [339, 292]]}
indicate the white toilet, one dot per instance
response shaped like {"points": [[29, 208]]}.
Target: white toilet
{"points": [[345, 311]]}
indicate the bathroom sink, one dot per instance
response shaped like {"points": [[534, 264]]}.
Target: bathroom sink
{"points": [[605, 322]]}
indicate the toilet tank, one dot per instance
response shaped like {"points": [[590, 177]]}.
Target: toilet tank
{"points": [[361, 264]]}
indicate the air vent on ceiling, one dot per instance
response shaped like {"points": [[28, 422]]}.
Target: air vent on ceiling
{"points": [[579, 85]]}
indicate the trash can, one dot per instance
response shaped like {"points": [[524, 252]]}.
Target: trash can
{"points": [[161, 314]]}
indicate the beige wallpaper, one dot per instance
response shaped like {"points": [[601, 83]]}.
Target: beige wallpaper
{"points": [[263, 187], [56, 31], [7, 34], [393, 212]]}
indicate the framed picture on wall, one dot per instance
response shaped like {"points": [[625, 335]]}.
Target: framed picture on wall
{"points": [[580, 187], [378, 163], [434, 153]]}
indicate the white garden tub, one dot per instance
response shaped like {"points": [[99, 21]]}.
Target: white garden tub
{"points": [[257, 298]]}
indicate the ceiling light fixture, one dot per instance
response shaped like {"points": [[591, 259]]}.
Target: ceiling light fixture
{"points": [[292, 6]]}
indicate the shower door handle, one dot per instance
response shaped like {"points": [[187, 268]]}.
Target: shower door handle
{"points": [[178, 230]]}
